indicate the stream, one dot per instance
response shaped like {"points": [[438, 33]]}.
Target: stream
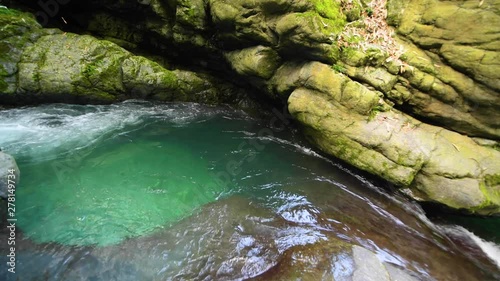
{"points": [[182, 191]]}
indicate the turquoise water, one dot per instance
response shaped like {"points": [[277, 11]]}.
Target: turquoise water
{"points": [[136, 176], [143, 191], [121, 189]]}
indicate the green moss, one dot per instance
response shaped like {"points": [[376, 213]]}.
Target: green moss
{"points": [[334, 53], [350, 54], [40, 62], [327, 26], [492, 180], [369, 11], [343, 149], [497, 146], [103, 97], [354, 11], [374, 111], [3, 85], [328, 8], [339, 67], [491, 204], [9, 12], [353, 39], [90, 70], [91, 94], [3, 74], [376, 57], [169, 79], [331, 13], [191, 14]]}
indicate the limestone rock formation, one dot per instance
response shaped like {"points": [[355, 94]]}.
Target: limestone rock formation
{"points": [[346, 119], [48, 65], [454, 49]]}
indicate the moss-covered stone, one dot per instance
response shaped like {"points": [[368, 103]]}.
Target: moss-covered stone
{"points": [[258, 61], [56, 66], [309, 35], [354, 11], [456, 83], [339, 133], [491, 190], [192, 13], [439, 165], [3, 75], [240, 22], [117, 29], [17, 30], [329, 9]]}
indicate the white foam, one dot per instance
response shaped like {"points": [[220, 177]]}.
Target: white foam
{"points": [[491, 249], [48, 130]]}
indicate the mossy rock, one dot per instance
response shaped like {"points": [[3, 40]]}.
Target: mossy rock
{"points": [[309, 35], [115, 28], [18, 30], [258, 61], [439, 165], [452, 51]]}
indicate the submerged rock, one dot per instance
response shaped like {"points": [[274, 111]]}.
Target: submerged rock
{"points": [[369, 268], [9, 174]]}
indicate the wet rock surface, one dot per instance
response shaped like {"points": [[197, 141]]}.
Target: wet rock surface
{"points": [[236, 239]]}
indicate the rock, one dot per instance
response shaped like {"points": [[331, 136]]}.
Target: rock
{"points": [[18, 29], [309, 35], [260, 61], [353, 123], [52, 66], [454, 53], [368, 266], [8, 171], [397, 274]]}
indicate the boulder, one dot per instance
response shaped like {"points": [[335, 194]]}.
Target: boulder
{"points": [[368, 267], [48, 65], [355, 124], [9, 173]]}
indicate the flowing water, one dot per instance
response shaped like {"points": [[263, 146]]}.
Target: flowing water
{"points": [[143, 191]]}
